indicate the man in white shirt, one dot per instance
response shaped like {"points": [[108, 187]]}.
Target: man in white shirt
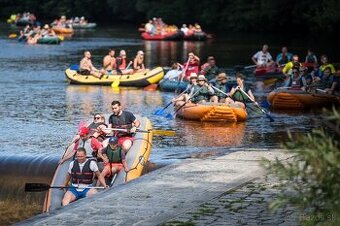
{"points": [[81, 171], [263, 58]]}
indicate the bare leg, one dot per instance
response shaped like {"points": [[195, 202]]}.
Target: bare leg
{"points": [[127, 145], [92, 191], [68, 198]]}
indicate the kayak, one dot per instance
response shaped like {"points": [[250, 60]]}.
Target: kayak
{"points": [[170, 36], [171, 85], [213, 112], [268, 71], [62, 30], [49, 40], [196, 36], [84, 26], [140, 79], [296, 99], [136, 158]]}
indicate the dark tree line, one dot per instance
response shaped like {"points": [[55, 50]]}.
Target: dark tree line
{"points": [[224, 15]]}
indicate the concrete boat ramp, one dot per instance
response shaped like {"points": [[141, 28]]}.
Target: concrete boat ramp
{"points": [[163, 194]]}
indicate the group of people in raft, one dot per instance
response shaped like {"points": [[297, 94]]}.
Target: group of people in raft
{"points": [[120, 130], [156, 26], [68, 23], [309, 75], [32, 34], [113, 65], [208, 83]]}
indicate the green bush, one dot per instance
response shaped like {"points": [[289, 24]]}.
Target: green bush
{"points": [[310, 179]]}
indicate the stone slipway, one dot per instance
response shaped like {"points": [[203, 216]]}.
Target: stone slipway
{"points": [[163, 194]]}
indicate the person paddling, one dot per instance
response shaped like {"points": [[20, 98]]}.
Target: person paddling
{"points": [[237, 95], [126, 120], [81, 172]]}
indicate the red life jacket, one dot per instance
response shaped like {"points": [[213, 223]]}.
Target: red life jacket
{"points": [[82, 177], [121, 63]]}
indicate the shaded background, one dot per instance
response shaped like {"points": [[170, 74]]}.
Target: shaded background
{"points": [[218, 15]]}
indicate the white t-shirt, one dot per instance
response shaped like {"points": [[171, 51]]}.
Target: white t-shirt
{"points": [[93, 167], [262, 58]]}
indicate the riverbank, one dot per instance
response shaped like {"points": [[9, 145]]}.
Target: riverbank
{"points": [[177, 193]]}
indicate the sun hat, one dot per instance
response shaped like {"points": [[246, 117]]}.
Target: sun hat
{"points": [[193, 75], [201, 77]]}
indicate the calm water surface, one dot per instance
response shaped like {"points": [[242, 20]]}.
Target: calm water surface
{"points": [[40, 111]]}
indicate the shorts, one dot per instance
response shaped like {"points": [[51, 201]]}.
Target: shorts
{"points": [[85, 72], [118, 166], [121, 140], [78, 194]]}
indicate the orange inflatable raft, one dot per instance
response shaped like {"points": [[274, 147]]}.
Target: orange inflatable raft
{"points": [[295, 99], [213, 112]]}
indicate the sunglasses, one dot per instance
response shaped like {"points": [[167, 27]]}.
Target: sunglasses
{"points": [[97, 118]]}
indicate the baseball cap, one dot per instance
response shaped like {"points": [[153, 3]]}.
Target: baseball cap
{"points": [[84, 131], [113, 140]]}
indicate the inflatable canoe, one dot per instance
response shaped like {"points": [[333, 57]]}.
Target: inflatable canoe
{"points": [[136, 80], [62, 30], [296, 99], [170, 36], [84, 26], [49, 40], [268, 72], [171, 85], [196, 36], [212, 112], [135, 158]]}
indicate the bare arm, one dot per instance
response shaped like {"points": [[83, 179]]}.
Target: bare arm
{"points": [[250, 93], [135, 64], [136, 123], [67, 179], [126, 167], [254, 60], [100, 178], [68, 155]]}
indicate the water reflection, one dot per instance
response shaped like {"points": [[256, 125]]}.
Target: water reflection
{"points": [[197, 134]]}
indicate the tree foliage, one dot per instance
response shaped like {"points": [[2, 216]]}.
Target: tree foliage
{"points": [[311, 179], [225, 15]]}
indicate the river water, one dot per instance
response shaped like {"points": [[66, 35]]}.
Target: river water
{"points": [[40, 112]]}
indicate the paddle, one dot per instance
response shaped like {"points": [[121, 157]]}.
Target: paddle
{"points": [[220, 91], [154, 131], [161, 111], [172, 116], [39, 187], [256, 104], [241, 67], [182, 75]]}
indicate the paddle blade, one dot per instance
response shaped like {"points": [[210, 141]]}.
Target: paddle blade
{"points": [[159, 112], [36, 187], [270, 117], [169, 116], [164, 132], [115, 83]]}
